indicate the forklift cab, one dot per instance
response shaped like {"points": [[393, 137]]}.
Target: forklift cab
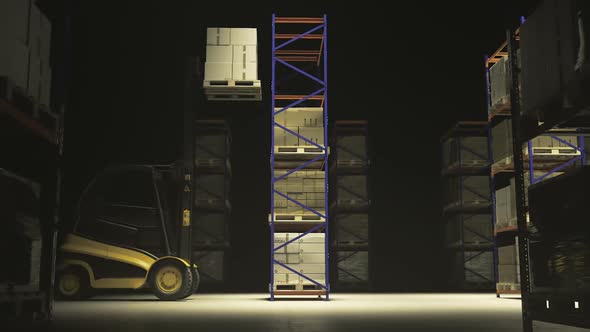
{"points": [[126, 236]]}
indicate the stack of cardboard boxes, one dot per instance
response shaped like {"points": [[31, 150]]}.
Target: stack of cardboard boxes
{"points": [[25, 41]]}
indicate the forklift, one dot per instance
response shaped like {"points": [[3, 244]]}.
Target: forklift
{"points": [[126, 236], [133, 225]]}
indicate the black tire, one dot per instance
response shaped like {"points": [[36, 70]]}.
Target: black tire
{"points": [[196, 282], [72, 284], [196, 279], [170, 280]]}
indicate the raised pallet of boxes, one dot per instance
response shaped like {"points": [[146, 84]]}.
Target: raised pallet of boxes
{"points": [[231, 67]]}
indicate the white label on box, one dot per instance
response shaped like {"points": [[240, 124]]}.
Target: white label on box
{"points": [[245, 71], [243, 36], [218, 36], [218, 71], [217, 53], [244, 53]]}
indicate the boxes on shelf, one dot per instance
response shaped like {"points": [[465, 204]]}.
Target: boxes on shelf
{"points": [[351, 228], [306, 255], [465, 151], [500, 82], [552, 42], [508, 264]]}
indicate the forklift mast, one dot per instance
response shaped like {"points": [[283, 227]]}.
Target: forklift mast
{"points": [[187, 163]]}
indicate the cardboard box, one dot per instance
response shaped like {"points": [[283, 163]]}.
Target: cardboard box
{"points": [[247, 71], [34, 81], [34, 38], [314, 134], [218, 71], [279, 269], [309, 238], [14, 62], [215, 53], [244, 53], [45, 89], [45, 39], [508, 255], [288, 258], [244, 36], [312, 248], [218, 36], [14, 15], [312, 258], [317, 277], [508, 273], [312, 268]]}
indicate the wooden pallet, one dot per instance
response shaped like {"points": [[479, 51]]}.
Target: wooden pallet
{"points": [[501, 108], [507, 288], [233, 90], [541, 162], [289, 218], [300, 150], [299, 287]]}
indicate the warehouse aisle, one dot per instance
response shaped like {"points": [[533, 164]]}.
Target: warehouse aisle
{"points": [[253, 312]]}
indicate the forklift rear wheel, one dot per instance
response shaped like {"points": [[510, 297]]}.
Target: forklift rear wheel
{"points": [[171, 280], [72, 284]]}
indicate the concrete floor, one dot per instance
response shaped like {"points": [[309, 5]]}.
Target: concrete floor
{"points": [[253, 312]]}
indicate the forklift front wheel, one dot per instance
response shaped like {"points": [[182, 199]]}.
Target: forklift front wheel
{"points": [[171, 280]]}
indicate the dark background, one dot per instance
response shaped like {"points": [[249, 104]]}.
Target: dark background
{"points": [[412, 72]]}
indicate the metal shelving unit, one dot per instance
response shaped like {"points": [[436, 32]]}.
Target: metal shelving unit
{"points": [[558, 306], [539, 162], [302, 41], [467, 209], [210, 236], [33, 151], [349, 207]]}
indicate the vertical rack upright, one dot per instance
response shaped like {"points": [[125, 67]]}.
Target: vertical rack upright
{"points": [[299, 40]]}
